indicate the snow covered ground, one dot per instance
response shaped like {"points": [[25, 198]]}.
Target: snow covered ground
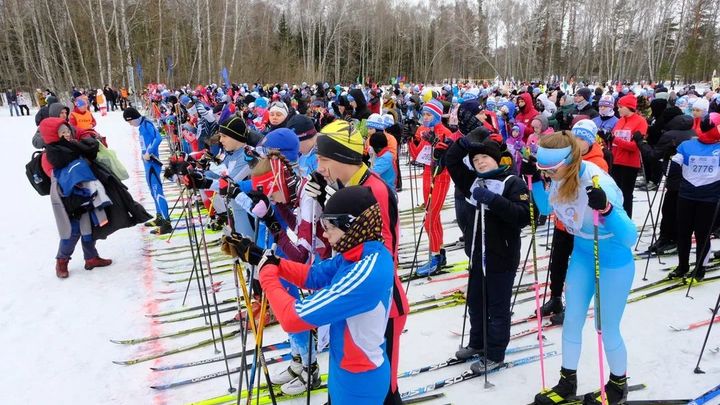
{"points": [[55, 334]]}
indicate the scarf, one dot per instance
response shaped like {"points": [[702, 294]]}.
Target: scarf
{"points": [[366, 227]]}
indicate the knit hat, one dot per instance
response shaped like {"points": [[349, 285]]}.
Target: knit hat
{"points": [[348, 202], [279, 106], [130, 114], [234, 127], [303, 126], [701, 104], [629, 101], [585, 130], [375, 121], [471, 94], [606, 101], [388, 120], [544, 123], [285, 140], [378, 141], [337, 143], [185, 100], [261, 102], [486, 147], [433, 107], [585, 93]]}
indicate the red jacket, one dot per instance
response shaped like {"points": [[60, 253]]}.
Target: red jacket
{"points": [[527, 113], [626, 152], [696, 125]]}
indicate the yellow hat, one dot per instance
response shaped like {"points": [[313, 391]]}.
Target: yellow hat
{"points": [[337, 142]]}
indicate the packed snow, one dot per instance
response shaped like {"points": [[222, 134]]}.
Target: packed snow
{"points": [[55, 341]]}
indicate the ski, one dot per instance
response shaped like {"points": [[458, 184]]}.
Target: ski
{"points": [[223, 270], [268, 348], [526, 332], [453, 361], [173, 351], [184, 332], [467, 375], [272, 360], [706, 397], [195, 316], [694, 325], [678, 285], [189, 309], [578, 400]]}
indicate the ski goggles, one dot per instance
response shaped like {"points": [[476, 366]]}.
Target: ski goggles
{"points": [[550, 160], [341, 221]]}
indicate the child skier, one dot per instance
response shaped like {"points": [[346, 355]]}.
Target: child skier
{"points": [[504, 197], [149, 143], [354, 291]]}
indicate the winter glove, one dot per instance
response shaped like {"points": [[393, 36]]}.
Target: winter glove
{"points": [[430, 137], [638, 138], [597, 200], [243, 248], [260, 203], [316, 188], [228, 188], [179, 164], [483, 196], [196, 180], [528, 167], [440, 150]]}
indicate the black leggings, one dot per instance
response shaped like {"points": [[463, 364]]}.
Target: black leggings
{"points": [[625, 178], [562, 246], [668, 223], [693, 217], [24, 108]]}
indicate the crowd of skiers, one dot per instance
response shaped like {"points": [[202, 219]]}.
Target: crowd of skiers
{"points": [[295, 173]]}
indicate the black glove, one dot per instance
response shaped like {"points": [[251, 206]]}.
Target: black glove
{"points": [[243, 248], [638, 138], [597, 200], [228, 188], [441, 149], [430, 137], [316, 188], [168, 173], [179, 163], [196, 180], [528, 167]]}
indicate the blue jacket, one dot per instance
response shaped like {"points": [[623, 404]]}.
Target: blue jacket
{"points": [[700, 164], [384, 166], [308, 163], [617, 233], [150, 138]]}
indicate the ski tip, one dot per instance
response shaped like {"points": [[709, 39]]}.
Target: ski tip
{"points": [[122, 362]]}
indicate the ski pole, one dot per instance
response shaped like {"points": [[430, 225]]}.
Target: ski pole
{"points": [[596, 306], [203, 242], [488, 385], [547, 232], [195, 257], [538, 312], [424, 221], [705, 249], [654, 231], [412, 196], [470, 275], [311, 260], [707, 335]]}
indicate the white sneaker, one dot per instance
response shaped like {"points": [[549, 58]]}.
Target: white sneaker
{"points": [[299, 384], [288, 374]]}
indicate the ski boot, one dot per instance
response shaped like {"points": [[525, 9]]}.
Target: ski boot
{"points": [[616, 391], [699, 274], [61, 268], [96, 262], [432, 266], [663, 247], [557, 319], [679, 272], [218, 222], [163, 227], [553, 306], [299, 384], [478, 367], [467, 352], [565, 389], [288, 374], [153, 222]]}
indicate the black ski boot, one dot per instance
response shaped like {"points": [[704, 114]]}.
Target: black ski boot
{"points": [[443, 258], [553, 306], [154, 222], [565, 389], [557, 319], [699, 275], [218, 222], [616, 391], [679, 272], [163, 227]]}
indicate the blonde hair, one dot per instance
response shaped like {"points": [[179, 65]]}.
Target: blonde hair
{"points": [[571, 179]]}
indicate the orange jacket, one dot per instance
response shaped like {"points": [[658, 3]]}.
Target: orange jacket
{"points": [[82, 120]]}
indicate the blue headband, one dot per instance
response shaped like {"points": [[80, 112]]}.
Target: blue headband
{"points": [[551, 157]]}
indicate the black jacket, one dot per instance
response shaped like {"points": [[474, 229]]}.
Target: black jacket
{"points": [[506, 215], [677, 130], [362, 111], [61, 153], [124, 211]]}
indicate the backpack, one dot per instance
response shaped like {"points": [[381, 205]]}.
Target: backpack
{"points": [[36, 175]]}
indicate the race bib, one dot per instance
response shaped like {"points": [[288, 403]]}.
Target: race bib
{"points": [[623, 134], [425, 155], [703, 169]]}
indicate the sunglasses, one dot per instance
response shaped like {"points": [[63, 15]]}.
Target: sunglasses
{"points": [[340, 221]]}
